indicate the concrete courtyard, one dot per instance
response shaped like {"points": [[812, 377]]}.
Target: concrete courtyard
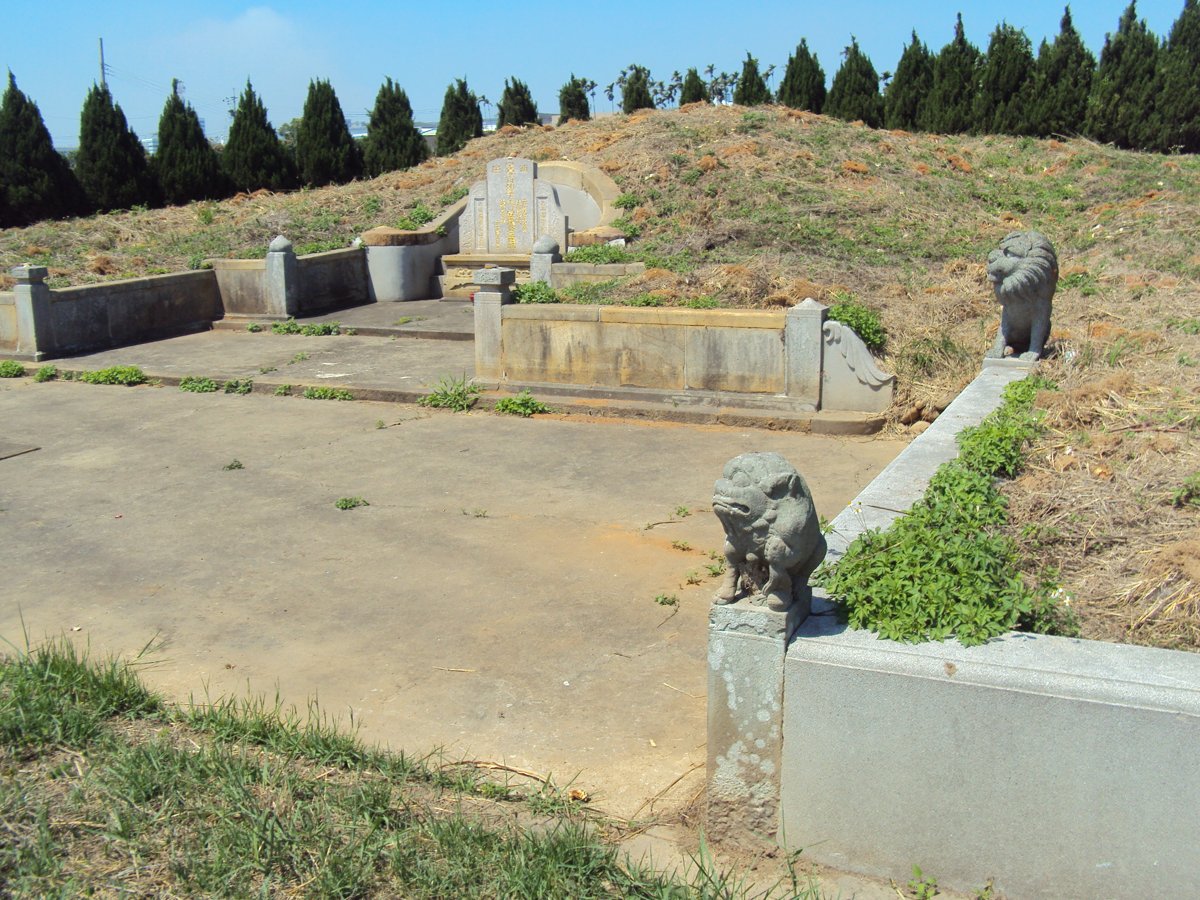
{"points": [[496, 599]]}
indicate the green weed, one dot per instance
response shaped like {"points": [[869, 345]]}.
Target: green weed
{"points": [[535, 292], [457, 394], [1188, 493], [254, 328], [476, 513], [283, 390], [197, 385], [299, 357], [945, 569], [125, 375], [233, 465], [667, 600], [241, 386], [600, 254], [863, 320], [627, 201], [1189, 325], [419, 215], [922, 888], [523, 405], [682, 511], [313, 329], [681, 545], [454, 196], [704, 302], [45, 373], [326, 393], [10, 368], [350, 502], [644, 300]]}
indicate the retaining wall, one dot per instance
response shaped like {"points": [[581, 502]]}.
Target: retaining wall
{"points": [[1058, 767], [332, 280], [795, 356]]}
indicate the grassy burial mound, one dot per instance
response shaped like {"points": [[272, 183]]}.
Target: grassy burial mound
{"points": [[763, 206]]}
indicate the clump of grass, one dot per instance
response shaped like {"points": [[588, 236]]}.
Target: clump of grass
{"points": [[10, 368], [45, 373], [457, 394], [241, 386], [231, 796], [325, 393], [535, 292], [233, 465], [419, 215], [600, 254], [524, 405], [124, 375], [283, 390], [197, 384], [350, 502], [312, 329], [863, 320]]}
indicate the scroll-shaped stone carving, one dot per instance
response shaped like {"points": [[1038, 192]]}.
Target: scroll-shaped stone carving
{"points": [[850, 380], [773, 539], [1024, 272]]}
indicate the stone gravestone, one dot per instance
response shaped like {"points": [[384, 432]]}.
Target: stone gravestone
{"points": [[509, 210]]}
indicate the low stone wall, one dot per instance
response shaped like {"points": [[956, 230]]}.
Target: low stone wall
{"points": [[332, 280], [242, 285], [796, 356], [8, 322], [563, 274], [1058, 767], [403, 265], [89, 317]]}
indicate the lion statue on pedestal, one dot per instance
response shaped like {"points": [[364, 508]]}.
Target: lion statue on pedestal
{"points": [[1024, 272]]}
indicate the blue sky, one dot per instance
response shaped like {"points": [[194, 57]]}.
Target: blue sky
{"points": [[213, 46]]}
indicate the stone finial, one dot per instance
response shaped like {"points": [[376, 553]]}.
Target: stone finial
{"points": [[280, 244], [546, 244], [30, 274], [1024, 273], [773, 539]]}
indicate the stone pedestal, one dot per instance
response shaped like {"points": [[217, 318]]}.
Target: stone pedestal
{"points": [[493, 290], [35, 333], [747, 645], [281, 283]]}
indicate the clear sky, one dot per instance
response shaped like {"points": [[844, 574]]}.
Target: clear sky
{"points": [[213, 46]]}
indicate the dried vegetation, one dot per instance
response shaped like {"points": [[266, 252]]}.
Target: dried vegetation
{"points": [[762, 207]]}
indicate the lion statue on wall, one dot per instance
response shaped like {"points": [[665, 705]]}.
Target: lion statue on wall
{"points": [[1024, 273], [773, 539]]}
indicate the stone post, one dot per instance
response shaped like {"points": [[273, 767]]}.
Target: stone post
{"points": [[804, 344], [545, 254], [747, 644], [35, 330], [493, 291], [281, 281]]}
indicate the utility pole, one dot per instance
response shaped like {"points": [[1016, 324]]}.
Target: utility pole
{"points": [[103, 83]]}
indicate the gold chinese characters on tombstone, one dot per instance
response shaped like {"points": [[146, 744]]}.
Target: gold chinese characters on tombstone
{"points": [[509, 210]]}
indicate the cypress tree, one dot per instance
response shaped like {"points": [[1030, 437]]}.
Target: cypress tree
{"points": [[112, 165], [573, 101], [854, 93], [1005, 83], [253, 157], [393, 141], [1179, 100], [751, 90], [803, 85], [949, 108], [635, 90], [461, 119], [35, 181], [185, 164], [909, 87], [1062, 82], [516, 105], [693, 89], [1121, 108], [325, 151]]}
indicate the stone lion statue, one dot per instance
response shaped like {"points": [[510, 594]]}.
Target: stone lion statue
{"points": [[1024, 273], [773, 540]]}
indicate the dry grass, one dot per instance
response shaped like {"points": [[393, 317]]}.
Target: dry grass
{"points": [[763, 207]]}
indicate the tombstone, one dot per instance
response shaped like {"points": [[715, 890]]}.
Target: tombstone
{"points": [[509, 210]]}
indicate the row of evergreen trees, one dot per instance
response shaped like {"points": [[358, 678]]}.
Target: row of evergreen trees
{"points": [[113, 171], [1143, 94]]}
